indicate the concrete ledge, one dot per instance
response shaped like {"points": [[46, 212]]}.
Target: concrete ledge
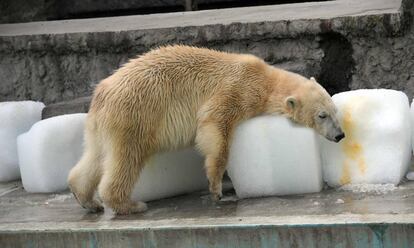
{"points": [[374, 17], [349, 235], [312, 220], [272, 13]]}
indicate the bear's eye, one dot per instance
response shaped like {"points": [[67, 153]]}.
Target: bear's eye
{"points": [[323, 115]]}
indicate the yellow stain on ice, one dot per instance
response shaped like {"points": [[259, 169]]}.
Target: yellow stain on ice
{"points": [[346, 176], [351, 147]]}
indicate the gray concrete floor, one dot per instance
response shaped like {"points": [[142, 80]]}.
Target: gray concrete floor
{"points": [[21, 211]]}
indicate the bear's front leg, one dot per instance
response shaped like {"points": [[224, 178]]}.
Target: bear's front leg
{"points": [[213, 142], [215, 168]]}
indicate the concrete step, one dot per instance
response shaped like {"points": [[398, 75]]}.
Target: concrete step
{"points": [[61, 60], [14, 11], [329, 219]]}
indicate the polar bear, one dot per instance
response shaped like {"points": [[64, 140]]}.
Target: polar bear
{"points": [[177, 96]]}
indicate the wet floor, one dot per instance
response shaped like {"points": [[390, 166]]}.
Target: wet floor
{"points": [[20, 210]]}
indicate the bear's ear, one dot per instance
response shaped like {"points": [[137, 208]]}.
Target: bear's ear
{"points": [[313, 79], [291, 103]]}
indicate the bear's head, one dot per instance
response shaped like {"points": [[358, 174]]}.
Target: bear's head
{"points": [[305, 102], [310, 105]]}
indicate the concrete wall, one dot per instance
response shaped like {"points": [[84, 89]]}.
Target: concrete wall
{"points": [[14, 11], [384, 63], [260, 236], [365, 51], [58, 75]]}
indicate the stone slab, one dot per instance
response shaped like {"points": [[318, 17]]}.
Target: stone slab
{"points": [[78, 105], [340, 218], [272, 13]]}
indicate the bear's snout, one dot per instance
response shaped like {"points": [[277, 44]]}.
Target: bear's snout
{"points": [[339, 137]]}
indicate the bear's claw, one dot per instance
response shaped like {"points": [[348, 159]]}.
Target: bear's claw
{"points": [[132, 208], [216, 197], [93, 206]]}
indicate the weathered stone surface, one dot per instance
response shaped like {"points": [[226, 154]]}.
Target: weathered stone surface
{"points": [[16, 11], [12, 11], [289, 20], [79, 105], [331, 218], [63, 60], [385, 63]]}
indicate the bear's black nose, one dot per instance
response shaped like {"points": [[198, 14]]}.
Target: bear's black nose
{"points": [[339, 137]]}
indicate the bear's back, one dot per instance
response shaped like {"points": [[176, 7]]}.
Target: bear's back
{"points": [[174, 76]]}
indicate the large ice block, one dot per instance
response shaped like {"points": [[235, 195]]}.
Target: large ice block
{"points": [[53, 146], [15, 119], [170, 174], [49, 150], [377, 143], [270, 155], [412, 125]]}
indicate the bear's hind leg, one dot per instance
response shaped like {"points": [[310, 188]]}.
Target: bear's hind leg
{"points": [[85, 176], [122, 166]]}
